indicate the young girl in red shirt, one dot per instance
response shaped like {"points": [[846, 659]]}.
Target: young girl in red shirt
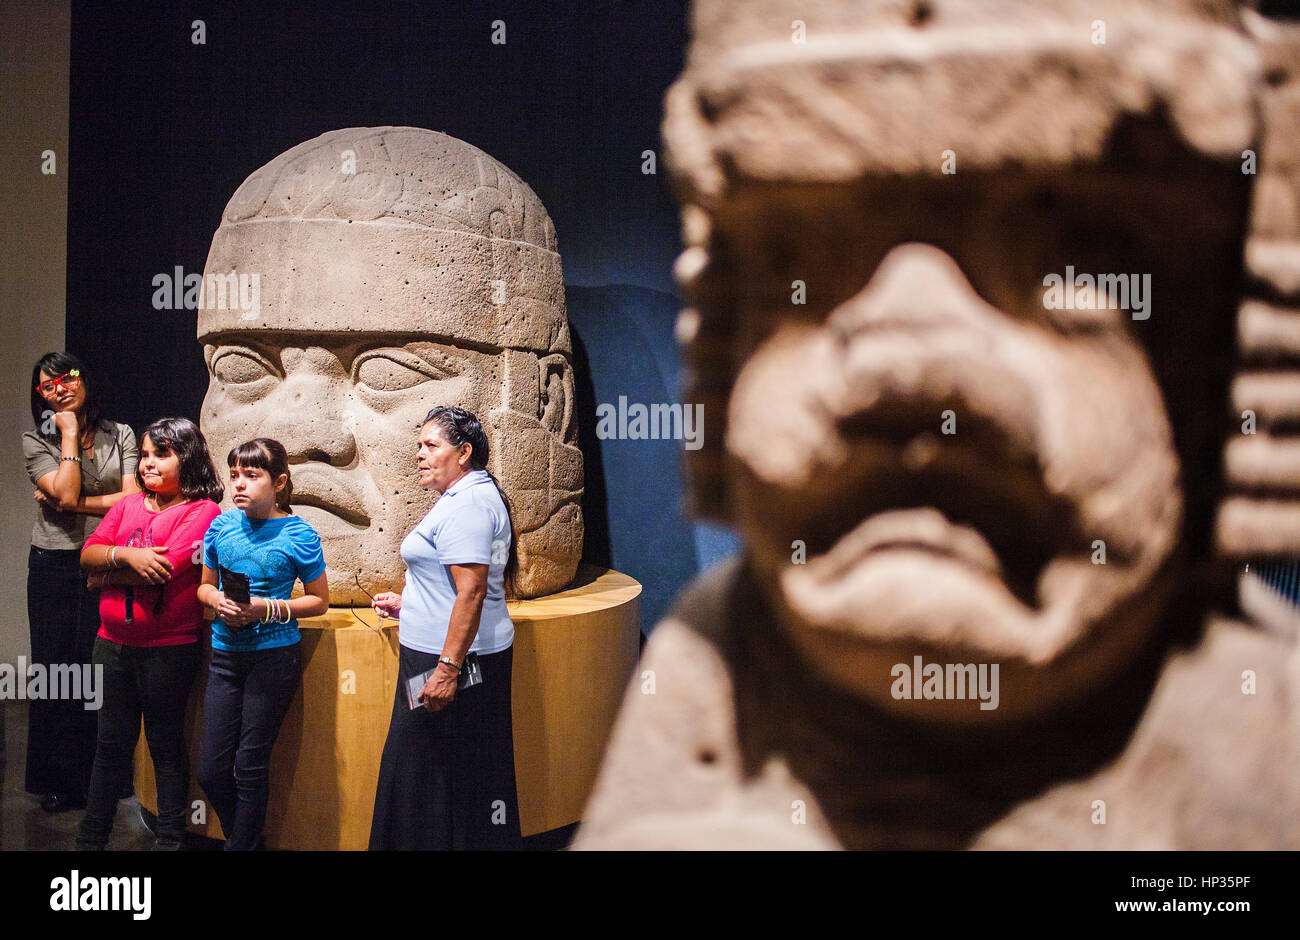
{"points": [[147, 553]]}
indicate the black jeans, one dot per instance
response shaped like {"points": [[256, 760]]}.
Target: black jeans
{"points": [[153, 682], [249, 694], [63, 618]]}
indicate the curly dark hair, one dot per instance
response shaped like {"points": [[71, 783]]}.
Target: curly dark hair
{"points": [[459, 426], [182, 437]]}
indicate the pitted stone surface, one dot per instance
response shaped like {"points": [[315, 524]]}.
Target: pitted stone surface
{"points": [[932, 464], [396, 269]]}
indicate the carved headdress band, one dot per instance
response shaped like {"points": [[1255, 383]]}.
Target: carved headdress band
{"points": [[494, 241]]}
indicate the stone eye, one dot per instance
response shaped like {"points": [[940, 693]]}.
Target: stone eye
{"points": [[239, 368], [382, 372]]}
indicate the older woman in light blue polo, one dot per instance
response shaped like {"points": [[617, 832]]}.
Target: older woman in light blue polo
{"points": [[447, 776]]}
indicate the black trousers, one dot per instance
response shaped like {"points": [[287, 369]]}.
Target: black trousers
{"points": [[447, 778], [249, 693], [152, 682], [63, 618]]}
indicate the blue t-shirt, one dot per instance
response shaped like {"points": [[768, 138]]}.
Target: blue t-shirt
{"points": [[466, 526], [273, 553]]}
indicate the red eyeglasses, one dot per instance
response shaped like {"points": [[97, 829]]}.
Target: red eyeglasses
{"points": [[67, 380]]}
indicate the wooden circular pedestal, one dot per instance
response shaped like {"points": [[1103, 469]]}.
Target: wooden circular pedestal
{"points": [[574, 653]]}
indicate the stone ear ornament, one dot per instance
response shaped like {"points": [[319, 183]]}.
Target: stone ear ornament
{"points": [[1259, 513], [555, 404]]}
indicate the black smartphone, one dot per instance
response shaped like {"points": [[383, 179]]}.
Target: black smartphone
{"points": [[235, 586]]}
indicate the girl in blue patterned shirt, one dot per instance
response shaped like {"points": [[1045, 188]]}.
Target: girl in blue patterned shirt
{"points": [[256, 659]]}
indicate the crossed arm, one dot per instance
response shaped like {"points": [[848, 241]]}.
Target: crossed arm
{"points": [[61, 489], [130, 565]]}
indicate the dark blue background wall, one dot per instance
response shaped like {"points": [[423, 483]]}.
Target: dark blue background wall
{"points": [[163, 131]]}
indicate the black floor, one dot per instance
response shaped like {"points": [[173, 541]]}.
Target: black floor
{"points": [[24, 825]]}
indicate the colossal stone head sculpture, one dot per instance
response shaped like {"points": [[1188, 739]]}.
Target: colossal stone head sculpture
{"points": [[399, 269], [933, 459], [952, 450]]}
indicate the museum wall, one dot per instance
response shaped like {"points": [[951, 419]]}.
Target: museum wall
{"points": [[171, 113], [33, 243]]}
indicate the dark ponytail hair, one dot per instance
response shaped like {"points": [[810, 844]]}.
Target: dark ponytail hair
{"points": [[267, 454], [459, 426], [182, 437], [61, 363]]}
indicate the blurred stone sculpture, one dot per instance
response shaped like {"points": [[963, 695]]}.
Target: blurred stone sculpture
{"points": [[395, 269], [985, 516]]}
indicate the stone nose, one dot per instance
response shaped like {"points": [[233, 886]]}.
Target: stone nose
{"points": [[309, 415], [918, 347], [917, 286]]}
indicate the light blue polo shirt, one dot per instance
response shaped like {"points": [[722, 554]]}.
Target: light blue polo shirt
{"points": [[466, 526]]}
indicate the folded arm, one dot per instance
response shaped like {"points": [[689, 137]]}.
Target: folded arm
{"points": [[149, 565]]}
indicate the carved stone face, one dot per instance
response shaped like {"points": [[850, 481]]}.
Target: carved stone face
{"points": [[925, 457], [428, 276], [970, 546], [348, 413]]}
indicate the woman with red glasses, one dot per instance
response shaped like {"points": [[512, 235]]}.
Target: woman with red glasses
{"points": [[81, 464]]}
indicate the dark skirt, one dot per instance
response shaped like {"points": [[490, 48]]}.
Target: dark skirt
{"points": [[63, 618], [447, 778]]}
